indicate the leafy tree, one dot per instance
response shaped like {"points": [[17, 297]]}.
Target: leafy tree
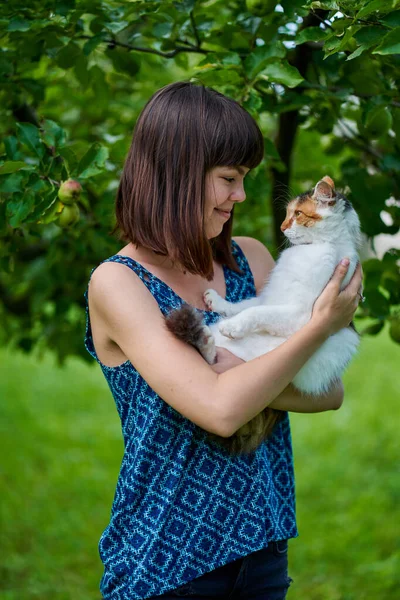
{"points": [[322, 79]]}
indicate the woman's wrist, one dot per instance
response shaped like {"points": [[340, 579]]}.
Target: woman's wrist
{"points": [[319, 329]]}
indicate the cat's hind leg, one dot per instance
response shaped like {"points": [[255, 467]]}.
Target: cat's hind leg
{"points": [[187, 324]]}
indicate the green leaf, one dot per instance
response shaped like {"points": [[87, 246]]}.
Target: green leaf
{"points": [[116, 27], [92, 163], [17, 210], [11, 147], [390, 43], [93, 43], [231, 58], [369, 35], [68, 55], [163, 29], [45, 208], [366, 37], [53, 134], [281, 73], [123, 61], [357, 52], [253, 102], [340, 43], [311, 34], [392, 19], [12, 166], [29, 135], [260, 57], [70, 159], [19, 24], [10, 184], [218, 76], [371, 7], [63, 7]]}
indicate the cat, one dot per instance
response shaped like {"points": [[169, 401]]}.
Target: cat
{"points": [[322, 227]]}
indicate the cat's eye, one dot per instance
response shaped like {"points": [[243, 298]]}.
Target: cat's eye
{"points": [[297, 213]]}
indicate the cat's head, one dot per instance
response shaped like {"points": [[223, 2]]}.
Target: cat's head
{"points": [[321, 214]]}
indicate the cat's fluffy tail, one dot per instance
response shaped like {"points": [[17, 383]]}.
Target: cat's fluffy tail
{"points": [[187, 324]]}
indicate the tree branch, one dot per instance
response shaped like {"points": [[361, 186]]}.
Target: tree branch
{"points": [[171, 54]]}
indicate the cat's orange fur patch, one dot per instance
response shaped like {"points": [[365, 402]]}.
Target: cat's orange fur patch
{"points": [[302, 211]]}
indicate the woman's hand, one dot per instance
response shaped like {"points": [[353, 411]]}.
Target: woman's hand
{"points": [[225, 361], [334, 309]]}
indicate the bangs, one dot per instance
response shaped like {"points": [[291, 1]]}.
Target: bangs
{"points": [[233, 136]]}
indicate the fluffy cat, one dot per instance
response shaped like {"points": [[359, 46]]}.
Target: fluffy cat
{"points": [[322, 227]]}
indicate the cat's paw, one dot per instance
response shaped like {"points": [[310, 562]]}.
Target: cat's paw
{"points": [[232, 329], [206, 345], [213, 300]]}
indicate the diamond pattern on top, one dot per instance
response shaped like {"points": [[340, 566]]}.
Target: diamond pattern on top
{"points": [[182, 505]]}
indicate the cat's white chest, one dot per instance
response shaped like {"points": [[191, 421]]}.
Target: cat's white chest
{"points": [[301, 274]]}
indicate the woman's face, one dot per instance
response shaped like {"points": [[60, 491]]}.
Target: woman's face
{"points": [[224, 188]]}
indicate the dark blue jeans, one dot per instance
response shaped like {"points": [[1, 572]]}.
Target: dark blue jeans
{"points": [[262, 575]]}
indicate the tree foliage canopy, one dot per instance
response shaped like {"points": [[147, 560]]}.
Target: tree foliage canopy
{"points": [[321, 78]]}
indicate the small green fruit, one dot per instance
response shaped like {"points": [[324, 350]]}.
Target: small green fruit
{"points": [[69, 216], [394, 330], [69, 191], [261, 8], [351, 45]]}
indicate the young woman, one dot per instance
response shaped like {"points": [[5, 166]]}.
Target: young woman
{"points": [[188, 519]]}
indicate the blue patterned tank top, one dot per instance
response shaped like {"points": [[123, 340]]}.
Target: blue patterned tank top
{"points": [[183, 506]]}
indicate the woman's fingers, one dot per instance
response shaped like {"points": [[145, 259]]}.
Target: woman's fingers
{"points": [[339, 274], [355, 283]]}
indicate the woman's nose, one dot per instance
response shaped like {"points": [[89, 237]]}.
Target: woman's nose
{"points": [[239, 195]]}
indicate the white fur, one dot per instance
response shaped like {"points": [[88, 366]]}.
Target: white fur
{"points": [[285, 304]]}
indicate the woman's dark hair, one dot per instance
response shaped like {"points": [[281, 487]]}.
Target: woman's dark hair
{"points": [[183, 131]]}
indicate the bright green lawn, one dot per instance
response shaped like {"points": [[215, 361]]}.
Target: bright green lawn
{"points": [[61, 449]]}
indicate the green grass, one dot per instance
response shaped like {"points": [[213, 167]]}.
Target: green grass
{"points": [[348, 486], [62, 447]]}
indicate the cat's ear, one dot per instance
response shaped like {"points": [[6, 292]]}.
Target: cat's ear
{"points": [[324, 191]]}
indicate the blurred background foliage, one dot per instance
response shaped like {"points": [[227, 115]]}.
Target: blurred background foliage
{"points": [[322, 79]]}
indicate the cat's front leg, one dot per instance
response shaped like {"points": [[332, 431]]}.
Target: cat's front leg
{"points": [[275, 320], [216, 303]]}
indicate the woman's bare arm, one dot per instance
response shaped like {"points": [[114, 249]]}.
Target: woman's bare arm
{"points": [[291, 399]]}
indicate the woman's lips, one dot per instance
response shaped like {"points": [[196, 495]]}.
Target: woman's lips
{"points": [[224, 213]]}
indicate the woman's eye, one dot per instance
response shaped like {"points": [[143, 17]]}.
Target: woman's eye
{"points": [[229, 179]]}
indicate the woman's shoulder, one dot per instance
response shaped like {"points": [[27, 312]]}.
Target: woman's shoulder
{"points": [[258, 257]]}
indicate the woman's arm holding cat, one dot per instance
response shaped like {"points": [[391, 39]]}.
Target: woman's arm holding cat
{"points": [[291, 399]]}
